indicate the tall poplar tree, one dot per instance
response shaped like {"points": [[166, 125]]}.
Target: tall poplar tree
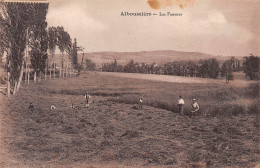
{"points": [[52, 43], [64, 45], [14, 21], [39, 39]]}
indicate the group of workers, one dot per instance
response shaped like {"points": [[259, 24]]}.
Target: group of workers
{"points": [[194, 105]]}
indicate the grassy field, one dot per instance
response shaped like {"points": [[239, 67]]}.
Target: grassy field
{"points": [[113, 132]]}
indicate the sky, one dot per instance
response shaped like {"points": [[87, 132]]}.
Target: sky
{"points": [[217, 27]]}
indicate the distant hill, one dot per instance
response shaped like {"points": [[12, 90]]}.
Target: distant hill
{"points": [[159, 57]]}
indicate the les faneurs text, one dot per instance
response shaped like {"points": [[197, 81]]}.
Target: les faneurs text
{"points": [[150, 14]]}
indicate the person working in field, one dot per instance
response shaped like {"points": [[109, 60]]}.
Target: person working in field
{"points": [[140, 101], [180, 104], [87, 97], [194, 107], [31, 107]]}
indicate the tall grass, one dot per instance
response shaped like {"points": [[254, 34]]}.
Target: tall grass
{"points": [[212, 102]]}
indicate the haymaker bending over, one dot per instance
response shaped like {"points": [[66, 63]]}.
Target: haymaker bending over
{"points": [[194, 106]]}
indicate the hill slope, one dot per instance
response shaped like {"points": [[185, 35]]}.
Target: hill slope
{"points": [[159, 57]]}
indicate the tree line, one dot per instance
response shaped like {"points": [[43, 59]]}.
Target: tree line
{"points": [[208, 68], [29, 44]]}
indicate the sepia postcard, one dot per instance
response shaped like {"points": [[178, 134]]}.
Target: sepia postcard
{"points": [[129, 83]]}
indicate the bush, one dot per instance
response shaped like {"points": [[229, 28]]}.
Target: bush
{"points": [[251, 67]]}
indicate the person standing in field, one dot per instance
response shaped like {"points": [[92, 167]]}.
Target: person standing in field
{"points": [[180, 104], [140, 101], [31, 107], [194, 106], [87, 97]]}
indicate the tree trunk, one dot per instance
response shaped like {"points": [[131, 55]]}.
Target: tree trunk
{"points": [[28, 76], [50, 71], [40, 76], [26, 71], [45, 75], [63, 70], [15, 87], [8, 71], [60, 70], [34, 77], [54, 70], [63, 66], [70, 70], [51, 63], [20, 77], [8, 84], [67, 67]]}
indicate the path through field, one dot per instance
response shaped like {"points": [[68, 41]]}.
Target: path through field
{"points": [[239, 79]]}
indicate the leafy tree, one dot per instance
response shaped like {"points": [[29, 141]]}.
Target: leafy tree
{"points": [[15, 21], [144, 68], [64, 45], [120, 68], [90, 65], [5, 32], [74, 54], [152, 68], [39, 39], [114, 66], [191, 68], [251, 67], [227, 70], [74, 57], [167, 69], [235, 64], [131, 67], [6, 39], [52, 43], [209, 68]]}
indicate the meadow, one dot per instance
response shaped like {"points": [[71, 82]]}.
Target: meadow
{"points": [[114, 132]]}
